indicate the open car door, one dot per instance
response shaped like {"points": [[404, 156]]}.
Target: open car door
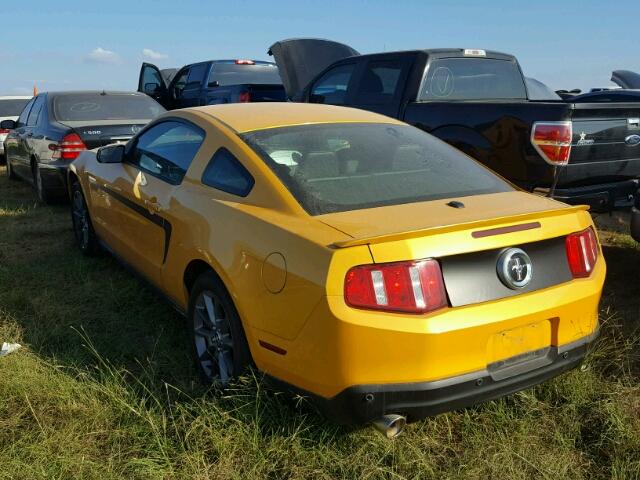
{"points": [[300, 60], [154, 82], [626, 79]]}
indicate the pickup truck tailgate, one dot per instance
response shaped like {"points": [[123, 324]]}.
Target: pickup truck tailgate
{"points": [[606, 133]]}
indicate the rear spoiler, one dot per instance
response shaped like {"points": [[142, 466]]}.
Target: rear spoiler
{"points": [[425, 232]]}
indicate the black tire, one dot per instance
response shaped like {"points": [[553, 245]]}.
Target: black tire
{"points": [[38, 184], [10, 173], [219, 345], [83, 232]]}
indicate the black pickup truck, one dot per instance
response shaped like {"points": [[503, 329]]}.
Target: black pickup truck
{"points": [[212, 82], [480, 102]]}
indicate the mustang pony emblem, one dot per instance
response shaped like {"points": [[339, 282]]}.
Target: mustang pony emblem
{"points": [[514, 268]]}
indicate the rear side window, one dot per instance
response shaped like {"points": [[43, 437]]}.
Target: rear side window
{"points": [[332, 86], [379, 82], [95, 106], [472, 79], [35, 111], [12, 108], [226, 173], [232, 74], [167, 149]]}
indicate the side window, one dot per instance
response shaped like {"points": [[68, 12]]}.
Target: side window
{"points": [[35, 111], [380, 81], [180, 83], [226, 173], [332, 86], [151, 76], [196, 76], [22, 119], [167, 149]]}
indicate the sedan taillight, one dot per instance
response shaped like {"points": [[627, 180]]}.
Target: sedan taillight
{"points": [[413, 287], [552, 140], [582, 252], [68, 148]]}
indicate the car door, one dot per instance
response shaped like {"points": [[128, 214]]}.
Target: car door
{"points": [[192, 95], [176, 88], [132, 200], [32, 137], [15, 151], [380, 83], [151, 82], [334, 86]]}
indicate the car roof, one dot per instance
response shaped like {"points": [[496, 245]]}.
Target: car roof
{"points": [[91, 92], [245, 117]]}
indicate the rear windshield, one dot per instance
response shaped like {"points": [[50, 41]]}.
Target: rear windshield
{"points": [[232, 74], [472, 79], [13, 107], [94, 106], [337, 167]]}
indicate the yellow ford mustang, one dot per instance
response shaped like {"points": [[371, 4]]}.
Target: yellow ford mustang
{"points": [[350, 256]]}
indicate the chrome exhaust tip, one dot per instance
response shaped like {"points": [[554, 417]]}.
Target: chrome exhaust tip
{"points": [[390, 425]]}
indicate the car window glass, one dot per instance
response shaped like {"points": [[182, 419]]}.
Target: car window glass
{"points": [[196, 76], [151, 75], [341, 167], [332, 86], [238, 74], [226, 173], [379, 81], [472, 79], [22, 119], [181, 82], [167, 149], [35, 111], [12, 107], [101, 106]]}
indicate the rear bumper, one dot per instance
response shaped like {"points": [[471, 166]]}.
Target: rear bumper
{"points": [[601, 198], [365, 403], [54, 178]]}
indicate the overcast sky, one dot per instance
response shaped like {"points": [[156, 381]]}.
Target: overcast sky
{"points": [[71, 44]]}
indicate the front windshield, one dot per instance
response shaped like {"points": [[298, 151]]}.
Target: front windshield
{"points": [[340, 167]]}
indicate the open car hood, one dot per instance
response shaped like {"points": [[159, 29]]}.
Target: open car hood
{"points": [[299, 60], [626, 79]]}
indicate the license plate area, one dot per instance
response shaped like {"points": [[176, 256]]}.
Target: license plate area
{"points": [[519, 350]]}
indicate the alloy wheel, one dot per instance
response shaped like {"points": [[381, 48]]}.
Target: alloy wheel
{"points": [[213, 340]]}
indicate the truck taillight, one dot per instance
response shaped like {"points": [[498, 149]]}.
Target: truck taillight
{"points": [[245, 62], [552, 140], [4, 131], [582, 252], [245, 97], [69, 147], [413, 287]]}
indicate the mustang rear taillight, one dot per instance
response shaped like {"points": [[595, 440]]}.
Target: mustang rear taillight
{"points": [[582, 252], [552, 140], [413, 287], [69, 147]]}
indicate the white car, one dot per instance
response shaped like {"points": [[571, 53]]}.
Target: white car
{"points": [[10, 109]]}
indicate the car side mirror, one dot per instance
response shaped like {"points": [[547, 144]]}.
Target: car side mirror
{"points": [[213, 84], [151, 88], [8, 125], [111, 154]]}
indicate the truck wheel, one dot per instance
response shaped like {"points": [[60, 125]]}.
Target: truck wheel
{"points": [[219, 344], [82, 227]]}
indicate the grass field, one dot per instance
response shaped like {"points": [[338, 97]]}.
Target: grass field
{"points": [[104, 388]]}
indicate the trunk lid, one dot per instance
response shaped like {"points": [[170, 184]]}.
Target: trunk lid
{"points": [[299, 60], [96, 133]]}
